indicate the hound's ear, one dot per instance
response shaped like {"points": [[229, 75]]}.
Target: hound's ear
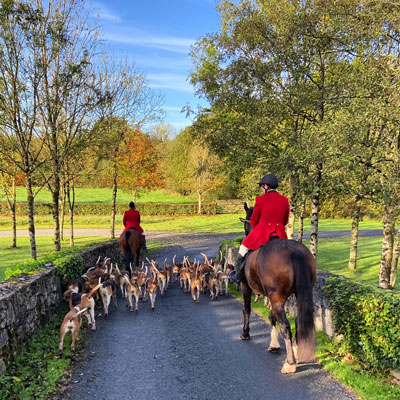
{"points": [[246, 207]]}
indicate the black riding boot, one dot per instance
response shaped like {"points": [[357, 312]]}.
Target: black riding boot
{"points": [[236, 275], [143, 237]]}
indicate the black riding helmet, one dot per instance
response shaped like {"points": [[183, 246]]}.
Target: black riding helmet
{"points": [[270, 179]]}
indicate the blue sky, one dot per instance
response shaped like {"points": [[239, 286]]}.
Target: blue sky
{"points": [[158, 34]]}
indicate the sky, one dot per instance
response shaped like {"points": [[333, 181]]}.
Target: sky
{"points": [[158, 35]]}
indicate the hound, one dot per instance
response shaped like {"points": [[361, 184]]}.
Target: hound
{"points": [[152, 288], [108, 290], [73, 319], [195, 285], [175, 269]]}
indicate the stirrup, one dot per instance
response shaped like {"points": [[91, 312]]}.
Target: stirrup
{"points": [[234, 277]]}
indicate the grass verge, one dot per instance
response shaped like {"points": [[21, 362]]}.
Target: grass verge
{"points": [[36, 370], [346, 370], [45, 245]]}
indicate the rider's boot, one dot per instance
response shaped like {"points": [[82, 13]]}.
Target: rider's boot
{"points": [[143, 237], [236, 275]]}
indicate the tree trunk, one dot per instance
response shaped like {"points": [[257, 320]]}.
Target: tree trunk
{"points": [[114, 202], [62, 199], [395, 261], [387, 247], [301, 222], [31, 216], [134, 194], [315, 210], [56, 217], [14, 213], [199, 202], [354, 237], [294, 183], [71, 206]]}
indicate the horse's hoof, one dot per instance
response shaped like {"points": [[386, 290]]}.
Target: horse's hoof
{"points": [[288, 368], [244, 337], [273, 349]]}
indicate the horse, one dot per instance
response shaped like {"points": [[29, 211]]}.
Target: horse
{"points": [[130, 244], [276, 270], [247, 225]]}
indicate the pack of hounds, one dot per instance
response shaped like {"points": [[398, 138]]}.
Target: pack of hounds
{"points": [[102, 280]]}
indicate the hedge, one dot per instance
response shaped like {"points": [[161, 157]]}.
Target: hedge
{"points": [[369, 320], [105, 209]]}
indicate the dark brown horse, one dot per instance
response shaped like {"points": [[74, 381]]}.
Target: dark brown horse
{"points": [[276, 270], [130, 244]]}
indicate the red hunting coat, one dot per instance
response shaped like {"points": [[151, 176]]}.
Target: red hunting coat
{"points": [[270, 215], [132, 220]]}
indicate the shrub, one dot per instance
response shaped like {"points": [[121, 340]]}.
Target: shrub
{"points": [[368, 319], [70, 267], [105, 209], [229, 242]]}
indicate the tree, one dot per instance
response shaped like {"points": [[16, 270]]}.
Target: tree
{"points": [[20, 79], [139, 163], [9, 178], [66, 44], [129, 102]]}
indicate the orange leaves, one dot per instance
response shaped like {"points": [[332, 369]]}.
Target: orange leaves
{"points": [[138, 162]]}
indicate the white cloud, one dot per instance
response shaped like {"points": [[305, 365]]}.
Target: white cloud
{"points": [[104, 13], [170, 81], [168, 43]]}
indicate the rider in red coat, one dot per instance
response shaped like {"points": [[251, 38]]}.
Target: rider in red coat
{"points": [[270, 215], [131, 220]]}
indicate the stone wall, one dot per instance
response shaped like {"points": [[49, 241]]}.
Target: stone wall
{"points": [[28, 302], [322, 312]]}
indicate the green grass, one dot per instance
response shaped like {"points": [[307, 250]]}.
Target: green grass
{"points": [[205, 223], [34, 373], [333, 256], [332, 224], [104, 195], [221, 223], [11, 256], [367, 386]]}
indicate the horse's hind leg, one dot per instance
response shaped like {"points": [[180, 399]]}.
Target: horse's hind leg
{"points": [[278, 311], [246, 291], [274, 344]]}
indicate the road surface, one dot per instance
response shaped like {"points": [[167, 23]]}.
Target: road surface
{"points": [[185, 350]]}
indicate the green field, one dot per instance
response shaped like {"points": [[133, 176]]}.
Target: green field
{"points": [[104, 195], [197, 223]]}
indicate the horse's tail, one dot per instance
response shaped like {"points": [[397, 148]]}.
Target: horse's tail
{"points": [[305, 329], [128, 250]]}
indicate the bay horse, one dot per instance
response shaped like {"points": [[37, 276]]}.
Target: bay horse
{"points": [[130, 244], [276, 270]]}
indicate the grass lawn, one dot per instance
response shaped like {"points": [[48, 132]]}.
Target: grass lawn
{"points": [[104, 195], [196, 223], [11, 256]]}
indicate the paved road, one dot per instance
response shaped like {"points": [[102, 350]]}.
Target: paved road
{"points": [[184, 350]]}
